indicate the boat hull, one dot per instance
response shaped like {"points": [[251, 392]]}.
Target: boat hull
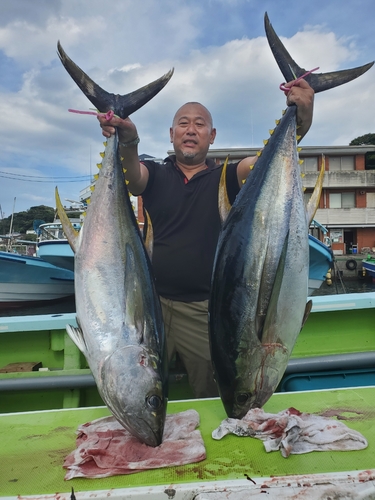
{"points": [[320, 261], [369, 266], [57, 253], [25, 279]]}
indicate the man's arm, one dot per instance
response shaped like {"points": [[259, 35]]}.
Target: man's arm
{"points": [[136, 173]]}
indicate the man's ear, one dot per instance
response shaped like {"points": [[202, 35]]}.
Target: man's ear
{"points": [[213, 135]]}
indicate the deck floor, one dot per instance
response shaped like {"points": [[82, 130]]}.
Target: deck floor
{"points": [[34, 445]]}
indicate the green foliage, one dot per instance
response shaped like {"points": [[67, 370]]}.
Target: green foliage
{"points": [[367, 139], [23, 221]]}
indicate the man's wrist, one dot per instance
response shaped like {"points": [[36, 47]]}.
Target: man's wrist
{"points": [[128, 144]]}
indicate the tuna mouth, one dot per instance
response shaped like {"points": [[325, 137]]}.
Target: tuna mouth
{"points": [[153, 438]]}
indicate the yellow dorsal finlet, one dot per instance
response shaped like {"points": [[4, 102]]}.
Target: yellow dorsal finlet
{"points": [[102, 154], [99, 165], [265, 142]]}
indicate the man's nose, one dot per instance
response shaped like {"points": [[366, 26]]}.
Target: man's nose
{"points": [[191, 129]]}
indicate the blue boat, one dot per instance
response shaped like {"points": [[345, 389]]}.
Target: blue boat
{"points": [[321, 260], [369, 265], [25, 279]]}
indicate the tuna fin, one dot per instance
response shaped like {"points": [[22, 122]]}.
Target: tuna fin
{"points": [[290, 69], [224, 203], [307, 312], [75, 333], [134, 314], [70, 232], [149, 239], [122, 105], [269, 330], [313, 203]]}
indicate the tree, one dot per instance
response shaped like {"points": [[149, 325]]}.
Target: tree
{"points": [[367, 139], [23, 221]]}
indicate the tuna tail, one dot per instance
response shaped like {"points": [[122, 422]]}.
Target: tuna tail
{"points": [[121, 105], [290, 69]]}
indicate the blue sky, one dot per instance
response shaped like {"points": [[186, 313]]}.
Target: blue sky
{"points": [[221, 58]]}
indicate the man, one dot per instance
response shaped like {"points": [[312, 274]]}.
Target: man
{"points": [[181, 197]]}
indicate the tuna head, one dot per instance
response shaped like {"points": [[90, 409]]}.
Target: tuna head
{"points": [[258, 374], [136, 396]]}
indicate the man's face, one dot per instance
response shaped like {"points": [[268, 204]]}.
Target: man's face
{"points": [[192, 132]]}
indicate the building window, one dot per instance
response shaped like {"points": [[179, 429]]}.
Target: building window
{"points": [[370, 200], [310, 164], [340, 163], [342, 200], [370, 161]]}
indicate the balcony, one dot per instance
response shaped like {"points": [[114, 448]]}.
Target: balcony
{"points": [[342, 179], [341, 217]]}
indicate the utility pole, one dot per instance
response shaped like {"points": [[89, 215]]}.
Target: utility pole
{"points": [[11, 227]]}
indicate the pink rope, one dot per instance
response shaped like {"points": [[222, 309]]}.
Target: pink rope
{"points": [[108, 116], [286, 89]]}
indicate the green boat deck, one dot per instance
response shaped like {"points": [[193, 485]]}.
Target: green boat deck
{"points": [[34, 445]]}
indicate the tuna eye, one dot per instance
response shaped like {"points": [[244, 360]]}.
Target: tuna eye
{"points": [[242, 398], [154, 402]]}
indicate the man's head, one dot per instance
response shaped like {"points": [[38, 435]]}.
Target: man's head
{"points": [[192, 132]]}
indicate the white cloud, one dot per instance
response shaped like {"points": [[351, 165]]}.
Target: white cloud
{"points": [[125, 45]]}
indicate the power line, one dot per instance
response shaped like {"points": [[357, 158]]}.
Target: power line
{"points": [[36, 178]]}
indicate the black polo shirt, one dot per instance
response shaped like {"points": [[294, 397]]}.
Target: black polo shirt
{"points": [[186, 225]]}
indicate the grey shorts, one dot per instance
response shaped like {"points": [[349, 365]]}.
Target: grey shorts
{"points": [[186, 329]]}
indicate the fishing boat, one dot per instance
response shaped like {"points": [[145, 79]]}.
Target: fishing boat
{"points": [[25, 279], [335, 348], [41, 410], [368, 265], [52, 245]]}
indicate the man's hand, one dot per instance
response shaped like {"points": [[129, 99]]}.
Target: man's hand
{"points": [[302, 95], [126, 129]]}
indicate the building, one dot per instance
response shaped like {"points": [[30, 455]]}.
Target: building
{"points": [[347, 204]]}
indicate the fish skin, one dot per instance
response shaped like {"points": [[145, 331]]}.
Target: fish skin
{"points": [[120, 327]]}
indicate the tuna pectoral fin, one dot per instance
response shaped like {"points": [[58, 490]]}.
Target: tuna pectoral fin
{"points": [[122, 105], [269, 332], [307, 313], [224, 203], [313, 202], [290, 69], [75, 333], [70, 233]]}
